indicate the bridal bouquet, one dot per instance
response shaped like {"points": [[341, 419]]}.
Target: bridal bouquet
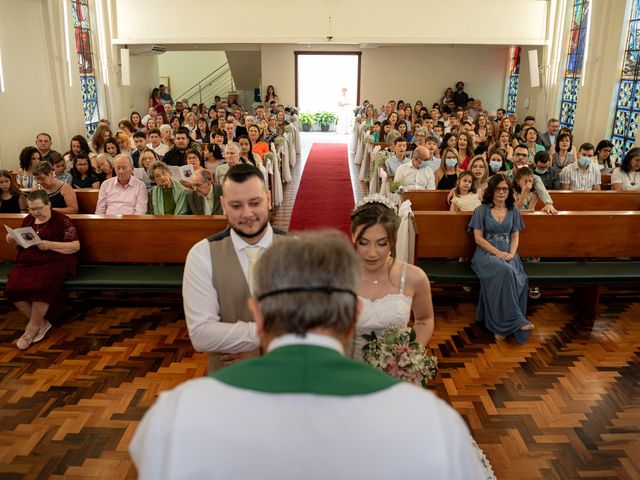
{"points": [[396, 352]]}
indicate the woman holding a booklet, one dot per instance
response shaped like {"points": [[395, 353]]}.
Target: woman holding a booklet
{"points": [[45, 259]]}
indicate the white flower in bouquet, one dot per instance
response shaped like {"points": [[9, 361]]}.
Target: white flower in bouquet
{"points": [[397, 353]]}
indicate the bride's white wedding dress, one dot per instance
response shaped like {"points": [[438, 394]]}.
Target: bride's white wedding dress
{"points": [[394, 309]]}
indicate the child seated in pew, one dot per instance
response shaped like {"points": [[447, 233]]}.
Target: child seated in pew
{"points": [[524, 191], [60, 169], [375, 129], [399, 148], [465, 196]]}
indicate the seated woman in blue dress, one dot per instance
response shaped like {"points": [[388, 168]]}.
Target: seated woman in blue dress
{"points": [[496, 224]]}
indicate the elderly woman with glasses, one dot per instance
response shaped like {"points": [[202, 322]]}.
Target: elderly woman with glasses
{"points": [[496, 225], [34, 284]]}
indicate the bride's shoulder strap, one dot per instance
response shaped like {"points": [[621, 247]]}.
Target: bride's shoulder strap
{"points": [[403, 276]]}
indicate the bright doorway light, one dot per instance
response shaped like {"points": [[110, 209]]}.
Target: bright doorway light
{"points": [[321, 77]]}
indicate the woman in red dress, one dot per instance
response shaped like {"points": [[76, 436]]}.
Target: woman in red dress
{"points": [[34, 284]]}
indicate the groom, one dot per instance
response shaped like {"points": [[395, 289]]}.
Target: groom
{"points": [[303, 410]]}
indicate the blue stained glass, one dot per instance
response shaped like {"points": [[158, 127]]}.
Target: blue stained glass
{"points": [[575, 57], [514, 80], [82, 33], [626, 119]]}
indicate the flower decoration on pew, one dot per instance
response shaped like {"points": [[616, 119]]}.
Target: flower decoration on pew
{"points": [[293, 110], [396, 187], [397, 353], [288, 128], [369, 139], [279, 140], [377, 161]]}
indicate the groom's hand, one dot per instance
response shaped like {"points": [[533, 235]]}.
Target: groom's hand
{"points": [[229, 358]]}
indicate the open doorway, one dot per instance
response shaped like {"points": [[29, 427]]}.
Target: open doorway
{"points": [[329, 82]]}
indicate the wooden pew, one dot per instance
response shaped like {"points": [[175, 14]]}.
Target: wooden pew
{"points": [[157, 245], [567, 238], [87, 200], [436, 200]]}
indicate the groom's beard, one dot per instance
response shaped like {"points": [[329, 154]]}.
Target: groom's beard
{"points": [[251, 235]]}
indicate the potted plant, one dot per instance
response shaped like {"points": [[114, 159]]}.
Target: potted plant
{"points": [[306, 119], [325, 119]]}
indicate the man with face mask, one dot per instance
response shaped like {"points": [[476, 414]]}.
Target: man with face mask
{"points": [[583, 174], [521, 159], [416, 175], [217, 275]]}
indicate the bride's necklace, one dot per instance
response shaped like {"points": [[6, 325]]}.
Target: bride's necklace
{"points": [[379, 279]]}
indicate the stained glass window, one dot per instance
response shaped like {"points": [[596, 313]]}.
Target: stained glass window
{"points": [[84, 51], [625, 120], [514, 79], [575, 57]]}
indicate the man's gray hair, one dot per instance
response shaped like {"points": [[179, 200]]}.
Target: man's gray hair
{"points": [[123, 155], [325, 260]]}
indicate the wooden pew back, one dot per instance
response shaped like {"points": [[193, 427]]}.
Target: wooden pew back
{"points": [[87, 200], [131, 238], [436, 200], [567, 235]]}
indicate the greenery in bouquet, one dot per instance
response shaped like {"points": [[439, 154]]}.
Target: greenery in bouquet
{"points": [[396, 352], [269, 157]]}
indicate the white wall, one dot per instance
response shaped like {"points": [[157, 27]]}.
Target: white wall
{"points": [[406, 72], [186, 68], [519, 22], [37, 95], [144, 77]]}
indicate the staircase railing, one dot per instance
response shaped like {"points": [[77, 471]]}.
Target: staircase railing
{"points": [[219, 82]]}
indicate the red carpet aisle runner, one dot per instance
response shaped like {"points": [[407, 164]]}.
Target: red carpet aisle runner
{"points": [[325, 196]]}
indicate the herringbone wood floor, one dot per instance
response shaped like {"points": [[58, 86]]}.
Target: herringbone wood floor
{"points": [[565, 405]]}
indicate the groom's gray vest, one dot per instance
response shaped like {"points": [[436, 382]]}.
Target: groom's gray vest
{"points": [[230, 284]]}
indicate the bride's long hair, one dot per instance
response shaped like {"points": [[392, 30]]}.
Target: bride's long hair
{"points": [[375, 213]]}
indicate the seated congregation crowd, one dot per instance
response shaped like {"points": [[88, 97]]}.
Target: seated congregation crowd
{"points": [[310, 294], [457, 145], [134, 168]]}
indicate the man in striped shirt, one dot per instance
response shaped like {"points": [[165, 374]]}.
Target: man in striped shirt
{"points": [[582, 174]]}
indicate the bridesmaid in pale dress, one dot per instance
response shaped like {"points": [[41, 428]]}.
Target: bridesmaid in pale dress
{"points": [[391, 290]]}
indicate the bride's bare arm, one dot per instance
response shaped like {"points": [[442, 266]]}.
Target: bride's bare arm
{"points": [[422, 307]]}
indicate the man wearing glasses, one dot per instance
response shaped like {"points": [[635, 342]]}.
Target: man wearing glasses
{"points": [[205, 198]]}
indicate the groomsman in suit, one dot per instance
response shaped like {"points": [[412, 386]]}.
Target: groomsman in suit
{"points": [[205, 198], [217, 273], [303, 410]]}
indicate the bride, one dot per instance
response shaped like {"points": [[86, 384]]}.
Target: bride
{"points": [[391, 290]]}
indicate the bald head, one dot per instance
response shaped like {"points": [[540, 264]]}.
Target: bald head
{"points": [[420, 154]]}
